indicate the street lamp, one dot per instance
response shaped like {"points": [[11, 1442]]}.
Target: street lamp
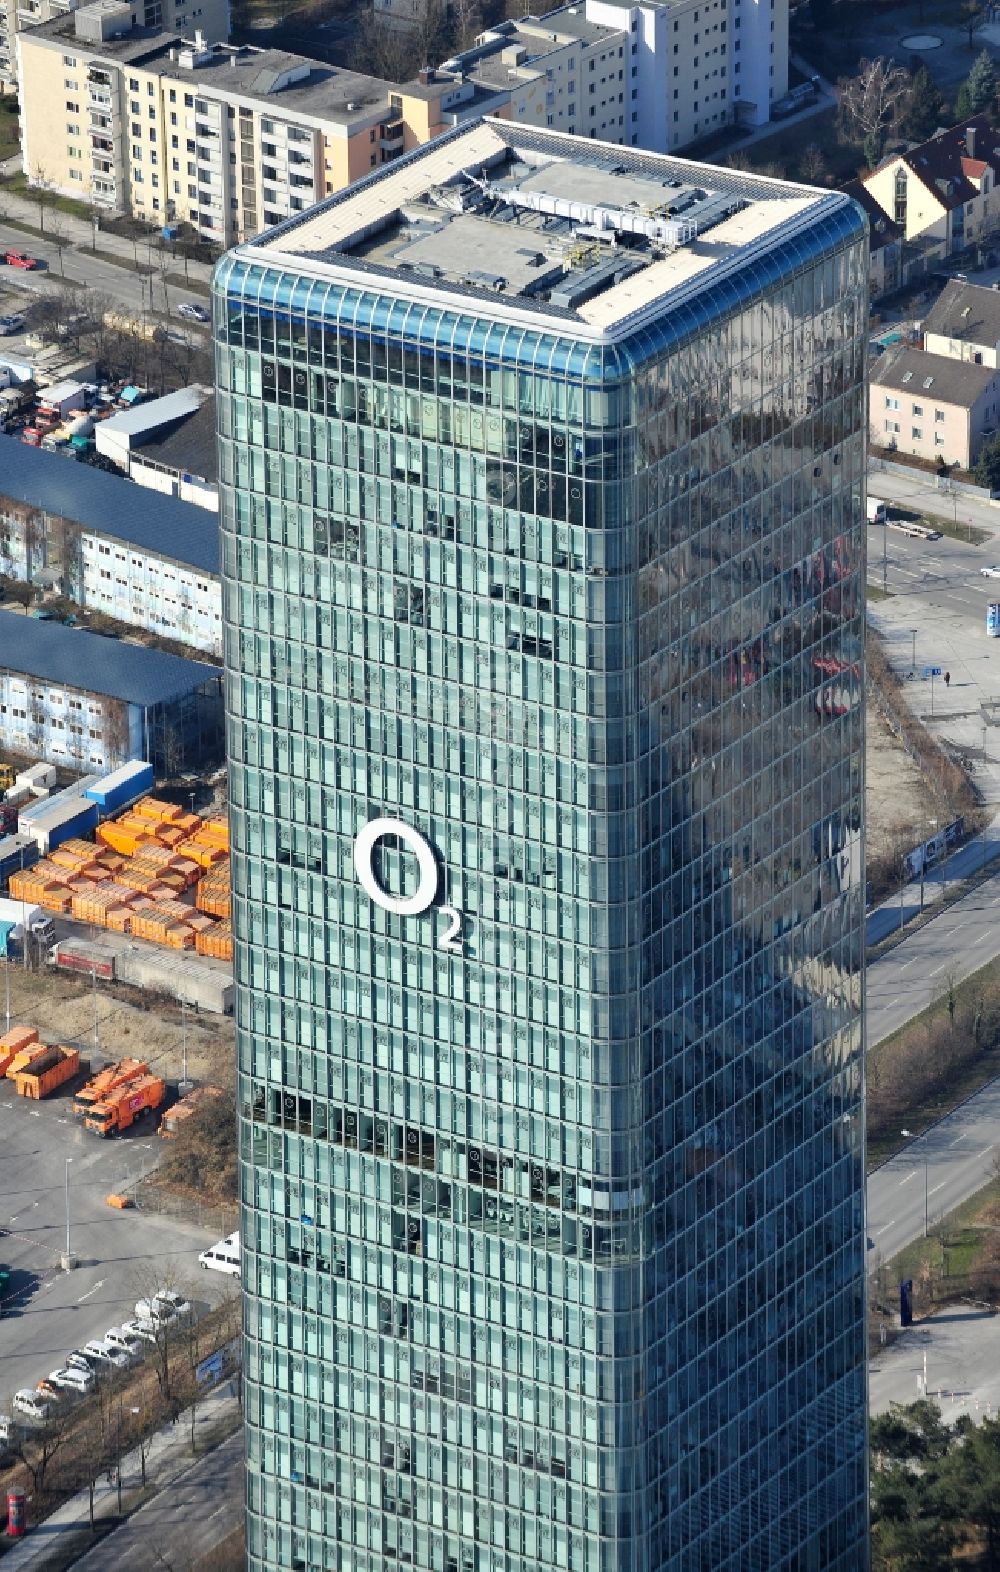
{"points": [[913, 650], [93, 974], [68, 1262], [909, 1136]]}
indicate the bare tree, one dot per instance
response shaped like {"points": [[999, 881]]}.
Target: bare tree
{"points": [[59, 235], [813, 165], [43, 195], [972, 17], [869, 104]]}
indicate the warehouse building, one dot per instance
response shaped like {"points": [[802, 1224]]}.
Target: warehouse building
{"points": [[73, 698], [142, 557]]}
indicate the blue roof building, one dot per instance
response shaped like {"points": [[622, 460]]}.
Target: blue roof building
{"points": [[132, 553], [84, 701]]}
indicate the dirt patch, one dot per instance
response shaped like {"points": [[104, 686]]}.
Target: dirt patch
{"points": [[131, 1023], [897, 800]]}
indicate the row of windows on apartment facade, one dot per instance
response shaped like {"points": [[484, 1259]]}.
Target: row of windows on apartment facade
{"points": [[916, 433], [915, 409]]}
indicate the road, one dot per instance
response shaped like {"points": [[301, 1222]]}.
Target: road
{"points": [[934, 1174], [122, 283], [921, 493], [184, 1523]]}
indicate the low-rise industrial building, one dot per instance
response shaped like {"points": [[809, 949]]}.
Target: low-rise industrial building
{"points": [[141, 557], [181, 461], [87, 702]]}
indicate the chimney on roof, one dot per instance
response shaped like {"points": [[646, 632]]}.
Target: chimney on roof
{"points": [[425, 76], [970, 141]]}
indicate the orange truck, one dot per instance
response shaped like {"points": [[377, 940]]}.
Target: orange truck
{"points": [[123, 1107], [56, 1066], [181, 1111], [15, 1042], [109, 1080]]}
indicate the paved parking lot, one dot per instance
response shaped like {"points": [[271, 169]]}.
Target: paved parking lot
{"points": [[46, 1311], [962, 1349]]}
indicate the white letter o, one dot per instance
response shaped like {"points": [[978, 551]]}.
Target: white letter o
{"points": [[364, 846]]}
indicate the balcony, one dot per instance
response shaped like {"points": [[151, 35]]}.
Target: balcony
{"points": [[99, 98], [99, 78], [391, 135]]}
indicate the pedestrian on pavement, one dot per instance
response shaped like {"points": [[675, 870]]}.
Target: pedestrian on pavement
{"points": [[947, 679]]}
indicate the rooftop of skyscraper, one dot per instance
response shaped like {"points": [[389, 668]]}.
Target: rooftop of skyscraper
{"points": [[577, 229]]}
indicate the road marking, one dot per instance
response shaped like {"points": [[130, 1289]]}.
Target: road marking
{"points": [[886, 1226], [938, 969], [90, 1291], [913, 1175], [937, 1187], [956, 1140]]}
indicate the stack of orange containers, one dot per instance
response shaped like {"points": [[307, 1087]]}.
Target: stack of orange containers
{"points": [[214, 890], [216, 941]]}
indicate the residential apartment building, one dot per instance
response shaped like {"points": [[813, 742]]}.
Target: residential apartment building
{"points": [[933, 406], [542, 473], [652, 75], [886, 247], [72, 698], [145, 559], [942, 194], [225, 138], [181, 16]]}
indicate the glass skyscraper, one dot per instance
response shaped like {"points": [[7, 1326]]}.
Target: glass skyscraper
{"points": [[543, 469]]}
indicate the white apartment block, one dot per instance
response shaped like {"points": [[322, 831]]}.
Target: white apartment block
{"points": [[658, 74], [148, 560], [150, 591], [179, 16]]}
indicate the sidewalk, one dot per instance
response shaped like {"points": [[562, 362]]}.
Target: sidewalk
{"points": [[167, 1455], [939, 884], [80, 236], [922, 494]]}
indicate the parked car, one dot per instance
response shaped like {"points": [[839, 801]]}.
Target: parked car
{"points": [[12, 324], [163, 1308], [130, 1342], [49, 1390], [21, 259], [992, 572], [108, 1357], [145, 1331], [193, 312], [31, 1405], [73, 1380], [78, 1360]]}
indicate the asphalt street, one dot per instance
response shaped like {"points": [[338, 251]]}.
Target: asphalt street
{"points": [[182, 1524], [955, 943], [957, 1351], [118, 280], [46, 1311], [933, 1175]]}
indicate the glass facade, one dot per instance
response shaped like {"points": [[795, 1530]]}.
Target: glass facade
{"points": [[552, 1187]]}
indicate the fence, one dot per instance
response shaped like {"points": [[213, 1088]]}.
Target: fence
{"points": [[151, 1197]]}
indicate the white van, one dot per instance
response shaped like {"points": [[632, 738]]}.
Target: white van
{"points": [[224, 1256], [30, 1404], [877, 511]]}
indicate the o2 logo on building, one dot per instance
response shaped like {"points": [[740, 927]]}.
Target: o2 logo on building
{"points": [[425, 895]]}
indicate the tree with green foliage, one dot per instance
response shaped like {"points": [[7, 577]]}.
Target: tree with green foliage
{"points": [[986, 469], [969, 1484], [979, 88], [925, 108]]}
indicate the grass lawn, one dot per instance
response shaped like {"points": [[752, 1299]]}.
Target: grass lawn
{"points": [[964, 1080], [10, 130], [949, 1252], [968, 534], [875, 592]]}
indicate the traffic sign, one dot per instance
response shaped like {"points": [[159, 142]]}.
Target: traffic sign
{"points": [[932, 671]]}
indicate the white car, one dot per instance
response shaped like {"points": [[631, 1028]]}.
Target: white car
{"points": [[128, 1341], [144, 1331], [73, 1380], [992, 572], [30, 1404], [78, 1360], [163, 1308], [117, 1358], [194, 313]]}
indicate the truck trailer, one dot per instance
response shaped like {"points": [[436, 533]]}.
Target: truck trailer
{"points": [[44, 1074]]}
